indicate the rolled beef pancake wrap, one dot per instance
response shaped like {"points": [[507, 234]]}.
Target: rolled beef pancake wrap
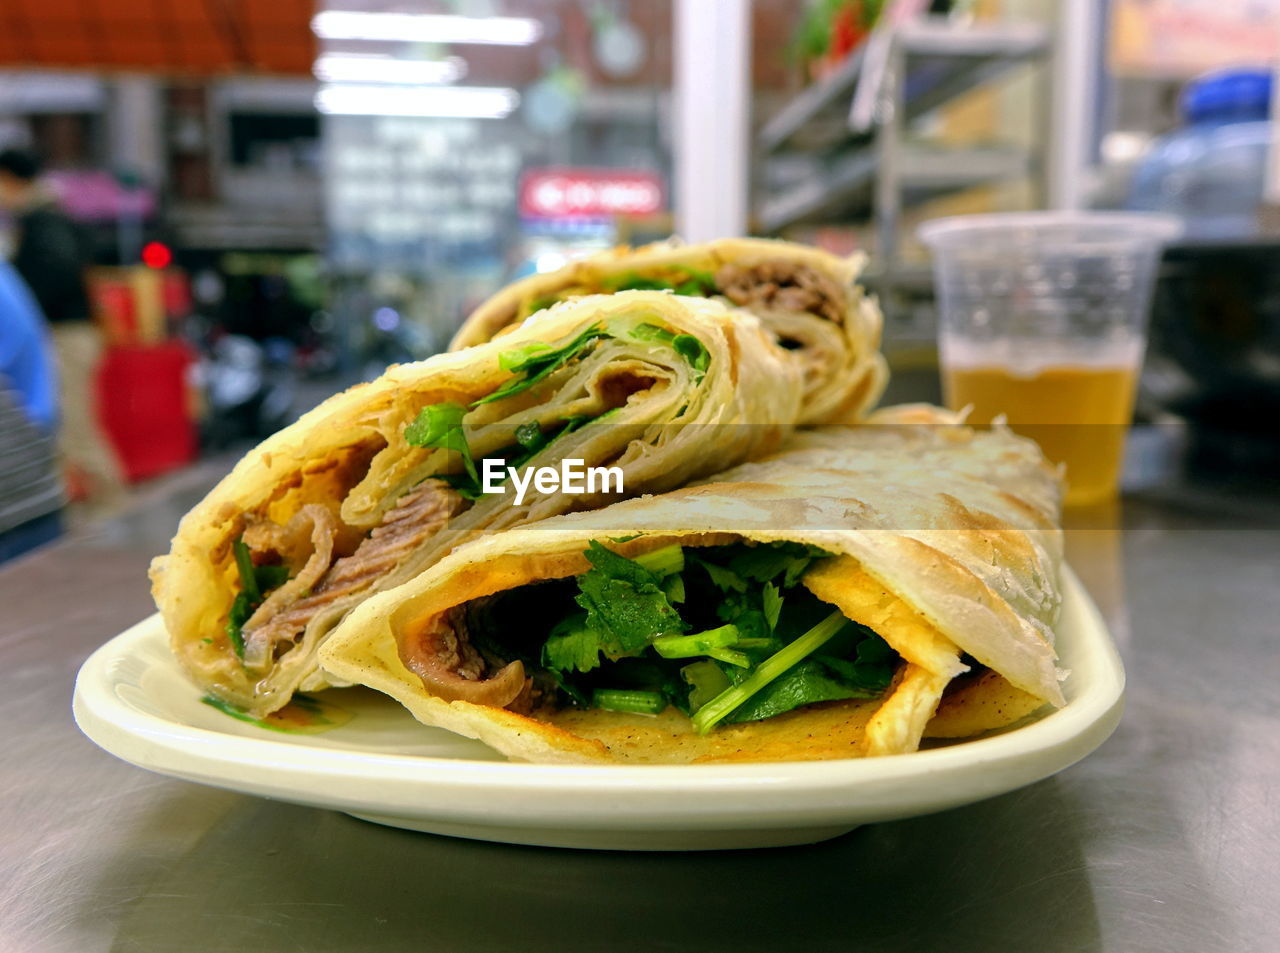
{"points": [[808, 297], [862, 589], [379, 482]]}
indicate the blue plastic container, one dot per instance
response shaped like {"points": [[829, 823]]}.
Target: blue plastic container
{"points": [[1211, 173]]}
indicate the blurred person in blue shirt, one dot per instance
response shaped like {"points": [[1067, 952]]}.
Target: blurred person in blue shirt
{"points": [[51, 255], [26, 360], [31, 495]]}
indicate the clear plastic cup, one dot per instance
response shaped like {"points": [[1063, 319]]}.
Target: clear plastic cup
{"points": [[1042, 317]]}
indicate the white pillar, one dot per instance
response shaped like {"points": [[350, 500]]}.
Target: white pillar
{"points": [[713, 103], [1075, 96], [135, 127]]}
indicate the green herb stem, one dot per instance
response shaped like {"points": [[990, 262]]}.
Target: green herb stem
{"points": [[688, 646], [737, 659], [244, 565], [757, 643], [709, 715], [614, 699], [439, 426], [254, 581], [662, 562]]}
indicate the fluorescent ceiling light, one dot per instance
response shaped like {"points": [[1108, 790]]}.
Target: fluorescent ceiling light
{"points": [[550, 261], [425, 28], [469, 102], [357, 68]]}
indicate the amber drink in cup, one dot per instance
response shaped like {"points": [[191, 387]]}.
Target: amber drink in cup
{"points": [[1042, 319]]}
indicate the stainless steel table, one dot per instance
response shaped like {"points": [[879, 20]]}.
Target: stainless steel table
{"points": [[1167, 839]]}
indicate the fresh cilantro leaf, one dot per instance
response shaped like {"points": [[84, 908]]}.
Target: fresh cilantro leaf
{"points": [[874, 650], [535, 365], [619, 567], [797, 568], [517, 359], [651, 332], [743, 610], [772, 654], [801, 611], [870, 672], [693, 351], [572, 646], [865, 681], [624, 602], [440, 426], [765, 563], [772, 602], [724, 579], [804, 684], [686, 345], [627, 616], [759, 563]]}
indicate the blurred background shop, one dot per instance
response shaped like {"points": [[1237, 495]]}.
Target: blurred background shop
{"points": [[277, 199]]}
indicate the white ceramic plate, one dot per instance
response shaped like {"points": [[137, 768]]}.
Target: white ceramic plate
{"points": [[133, 700]]}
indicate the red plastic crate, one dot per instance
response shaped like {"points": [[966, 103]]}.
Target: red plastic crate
{"points": [[145, 408]]}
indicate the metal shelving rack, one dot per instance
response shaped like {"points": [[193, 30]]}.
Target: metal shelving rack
{"points": [[838, 175]]}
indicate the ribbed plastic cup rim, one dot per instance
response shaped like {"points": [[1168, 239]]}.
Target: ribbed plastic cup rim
{"points": [[1114, 228]]}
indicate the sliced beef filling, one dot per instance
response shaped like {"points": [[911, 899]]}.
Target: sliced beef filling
{"points": [[441, 654], [783, 286], [459, 657], [311, 535], [417, 516]]}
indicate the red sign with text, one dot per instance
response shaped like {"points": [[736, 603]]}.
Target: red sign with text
{"points": [[589, 193]]}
